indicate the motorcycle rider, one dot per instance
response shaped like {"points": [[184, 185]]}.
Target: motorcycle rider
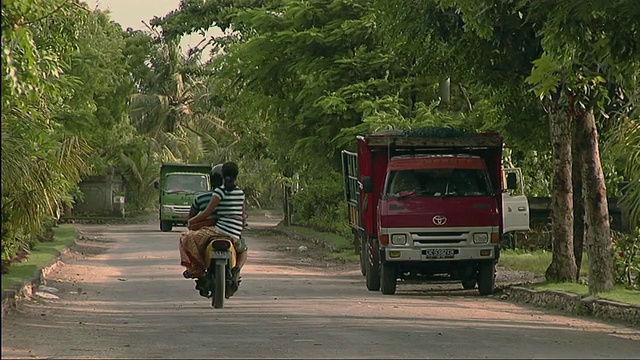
{"points": [[228, 201]]}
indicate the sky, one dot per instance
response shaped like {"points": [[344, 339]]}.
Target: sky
{"points": [[131, 13]]}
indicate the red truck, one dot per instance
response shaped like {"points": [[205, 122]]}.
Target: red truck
{"points": [[431, 208]]}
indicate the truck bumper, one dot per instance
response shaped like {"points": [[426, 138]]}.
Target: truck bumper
{"points": [[174, 213], [396, 254], [181, 218]]}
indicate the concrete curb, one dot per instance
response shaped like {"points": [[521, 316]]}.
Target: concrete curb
{"points": [[576, 304], [11, 298]]}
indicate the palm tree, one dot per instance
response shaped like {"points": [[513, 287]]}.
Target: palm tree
{"points": [[625, 142], [166, 110], [37, 177]]}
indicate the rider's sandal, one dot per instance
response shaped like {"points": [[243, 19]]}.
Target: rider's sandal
{"points": [[201, 286]]}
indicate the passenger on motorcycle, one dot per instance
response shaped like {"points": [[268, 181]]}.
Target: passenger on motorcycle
{"points": [[228, 203], [201, 201]]}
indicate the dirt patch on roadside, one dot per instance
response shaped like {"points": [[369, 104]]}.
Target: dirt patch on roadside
{"points": [[507, 277], [302, 252], [86, 245]]}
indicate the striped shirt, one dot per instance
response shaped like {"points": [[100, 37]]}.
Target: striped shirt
{"points": [[229, 211], [200, 203]]}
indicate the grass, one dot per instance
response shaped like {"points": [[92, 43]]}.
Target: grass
{"points": [[343, 245], [619, 294], [532, 261], [538, 261], [349, 255], [41, 255]]}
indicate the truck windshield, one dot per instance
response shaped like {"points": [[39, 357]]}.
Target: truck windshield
{"points": [[186, 183], [438, 183]]}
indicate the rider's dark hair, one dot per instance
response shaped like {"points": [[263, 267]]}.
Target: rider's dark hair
{"points": [[229, 175]]}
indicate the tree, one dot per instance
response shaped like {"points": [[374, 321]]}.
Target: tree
{"points": [[41, 160], [97, 106], [591, 53], [518, 33]]}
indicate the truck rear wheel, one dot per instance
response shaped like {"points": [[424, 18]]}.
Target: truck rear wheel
{"points": [[388, 278], [372, 266], [363, 256], [165, 225], [486, 277]]}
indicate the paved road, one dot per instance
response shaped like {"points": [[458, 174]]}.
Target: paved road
{"points": [[130, 302]]}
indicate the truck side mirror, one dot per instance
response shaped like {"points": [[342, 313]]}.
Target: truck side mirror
{"points": [[156, 185], [512, 181], [367, 184]]}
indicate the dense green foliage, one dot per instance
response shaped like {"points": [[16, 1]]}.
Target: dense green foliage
{"points": [[58, 85], [627, 258], [316, 73], [292, 82]]}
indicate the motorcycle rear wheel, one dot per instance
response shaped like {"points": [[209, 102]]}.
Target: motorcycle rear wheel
{"points": [[219, 278]]}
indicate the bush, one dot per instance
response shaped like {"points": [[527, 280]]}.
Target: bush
{"points": [[627, 258], [261, 185], [320, 205]]}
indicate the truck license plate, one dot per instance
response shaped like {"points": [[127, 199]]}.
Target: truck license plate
{"points": [[439, 253]]}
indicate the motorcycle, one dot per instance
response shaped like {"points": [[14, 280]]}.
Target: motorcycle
{"points": [[218, 282]]}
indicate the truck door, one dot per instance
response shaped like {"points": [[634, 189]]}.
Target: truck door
{"points": [[515, 206], [351, 187]]}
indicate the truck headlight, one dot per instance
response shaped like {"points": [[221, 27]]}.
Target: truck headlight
{"points": [[166, 208], [399, 239], [480, 238]]}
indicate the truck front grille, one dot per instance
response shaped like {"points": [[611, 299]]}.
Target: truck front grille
{"points": [[442, 237], [181, 210]]}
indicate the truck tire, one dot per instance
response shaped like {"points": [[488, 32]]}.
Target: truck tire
{"points": [[388, 278], [372, 266], [363, 258], [165, 225], [469, 284], [486, 277]]}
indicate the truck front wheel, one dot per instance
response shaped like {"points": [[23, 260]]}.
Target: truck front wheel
{"points": [[468, 284], [486, 277], [388, 278], [165, 225], [372, 266]]}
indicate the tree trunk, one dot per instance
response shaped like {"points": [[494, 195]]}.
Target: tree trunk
{"points": [[563, 263], [578, 203], [445, 91], [598, 232], [287, 207], [286, 204]]}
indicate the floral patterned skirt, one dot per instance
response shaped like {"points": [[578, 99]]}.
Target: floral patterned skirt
{"points": [[192, 246]]}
